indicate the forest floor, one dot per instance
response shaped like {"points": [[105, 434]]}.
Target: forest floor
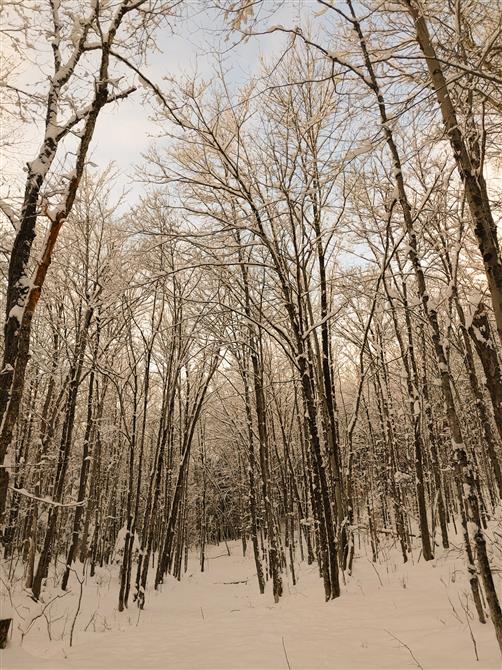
{"points": [[390, 615]]}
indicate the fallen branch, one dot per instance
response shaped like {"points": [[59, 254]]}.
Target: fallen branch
{"points": [[47, 501]]}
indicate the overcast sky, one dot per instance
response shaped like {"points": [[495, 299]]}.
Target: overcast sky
{"points": [[125, 131]]}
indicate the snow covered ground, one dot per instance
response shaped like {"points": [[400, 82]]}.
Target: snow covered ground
{"points": [[389, 616]]}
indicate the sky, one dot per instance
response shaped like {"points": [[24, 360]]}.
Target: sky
{"points": [[190, 46], [125, 130]]}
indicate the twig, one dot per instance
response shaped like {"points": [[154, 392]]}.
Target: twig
{"points": [[42, 613], [285, 653], [90, 620], [379, 578], [467, 617], [81, 583], [419, 665]]}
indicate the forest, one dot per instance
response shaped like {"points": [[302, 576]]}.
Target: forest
{"points": [[251, 378]]}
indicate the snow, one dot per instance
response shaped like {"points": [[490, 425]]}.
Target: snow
{"points": [[9, 213], [17, 313], [217, 619], [6, 609], [471, 306], [366, 147], [479, 336], [401, 477]]}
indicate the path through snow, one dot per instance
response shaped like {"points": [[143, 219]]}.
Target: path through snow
{"points": [[204, 622]]}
